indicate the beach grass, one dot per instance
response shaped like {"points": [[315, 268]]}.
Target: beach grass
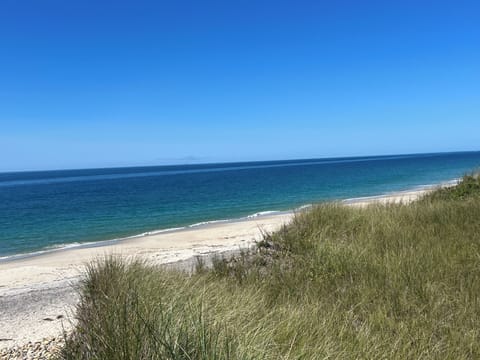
{"points": [[398, 281]]}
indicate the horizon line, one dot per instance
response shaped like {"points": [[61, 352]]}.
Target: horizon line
{"points": [[239, 161]]}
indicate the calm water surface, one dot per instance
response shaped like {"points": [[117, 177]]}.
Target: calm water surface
{"points": [[41, 210]]}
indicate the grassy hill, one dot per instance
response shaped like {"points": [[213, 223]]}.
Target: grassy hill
{"points": [[384, 282]]}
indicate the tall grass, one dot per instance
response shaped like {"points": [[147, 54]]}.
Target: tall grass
{"points": [[384, 282]]}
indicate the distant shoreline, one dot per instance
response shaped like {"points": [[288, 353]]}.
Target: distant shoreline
{"points": [[398, 196]]}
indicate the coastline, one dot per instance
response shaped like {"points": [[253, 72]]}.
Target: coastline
{"points": [[392, 196], [37, 293], [115, 241]]}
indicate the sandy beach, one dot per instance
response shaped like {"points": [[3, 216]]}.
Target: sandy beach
{"points": [[38, 295]]}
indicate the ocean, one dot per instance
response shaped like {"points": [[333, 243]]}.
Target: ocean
{"points": [[45, 210]]}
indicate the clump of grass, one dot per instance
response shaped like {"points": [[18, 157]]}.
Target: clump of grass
{"points": [[127, 311], [389, 282]]}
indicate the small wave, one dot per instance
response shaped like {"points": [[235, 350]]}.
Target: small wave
{"points": [[155, 232], [22, 256], [362, 198], [203, 223], [453, 182], [47, 250], [447, 183], [304, 207], [262, 213]]}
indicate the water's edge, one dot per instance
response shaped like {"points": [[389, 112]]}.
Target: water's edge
{"points": [[206, 224]]}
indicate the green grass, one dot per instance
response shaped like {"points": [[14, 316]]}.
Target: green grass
{"points": [[384, 282]]}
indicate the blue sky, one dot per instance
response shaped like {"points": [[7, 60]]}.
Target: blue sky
{"points": [[116, 83]]}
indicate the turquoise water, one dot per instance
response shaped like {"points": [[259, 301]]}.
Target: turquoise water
{"points": [[48, 209]]}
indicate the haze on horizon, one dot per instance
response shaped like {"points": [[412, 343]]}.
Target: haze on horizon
{"points": [[104, 83]]}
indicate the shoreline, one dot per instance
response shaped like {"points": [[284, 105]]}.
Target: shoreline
{"points": [[38, 295], [110, 242]]}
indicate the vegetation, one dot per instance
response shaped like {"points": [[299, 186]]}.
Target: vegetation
{"points": [[469, 188], [384, 282]]}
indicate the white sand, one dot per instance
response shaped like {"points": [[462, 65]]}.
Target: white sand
{"points": [[42, 287], [396, 198], [37, 294]]}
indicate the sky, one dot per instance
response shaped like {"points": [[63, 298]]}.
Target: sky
{"points": [[126, 83]]}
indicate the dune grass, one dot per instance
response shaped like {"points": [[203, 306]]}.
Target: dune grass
{"points": [[384, 282]]}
